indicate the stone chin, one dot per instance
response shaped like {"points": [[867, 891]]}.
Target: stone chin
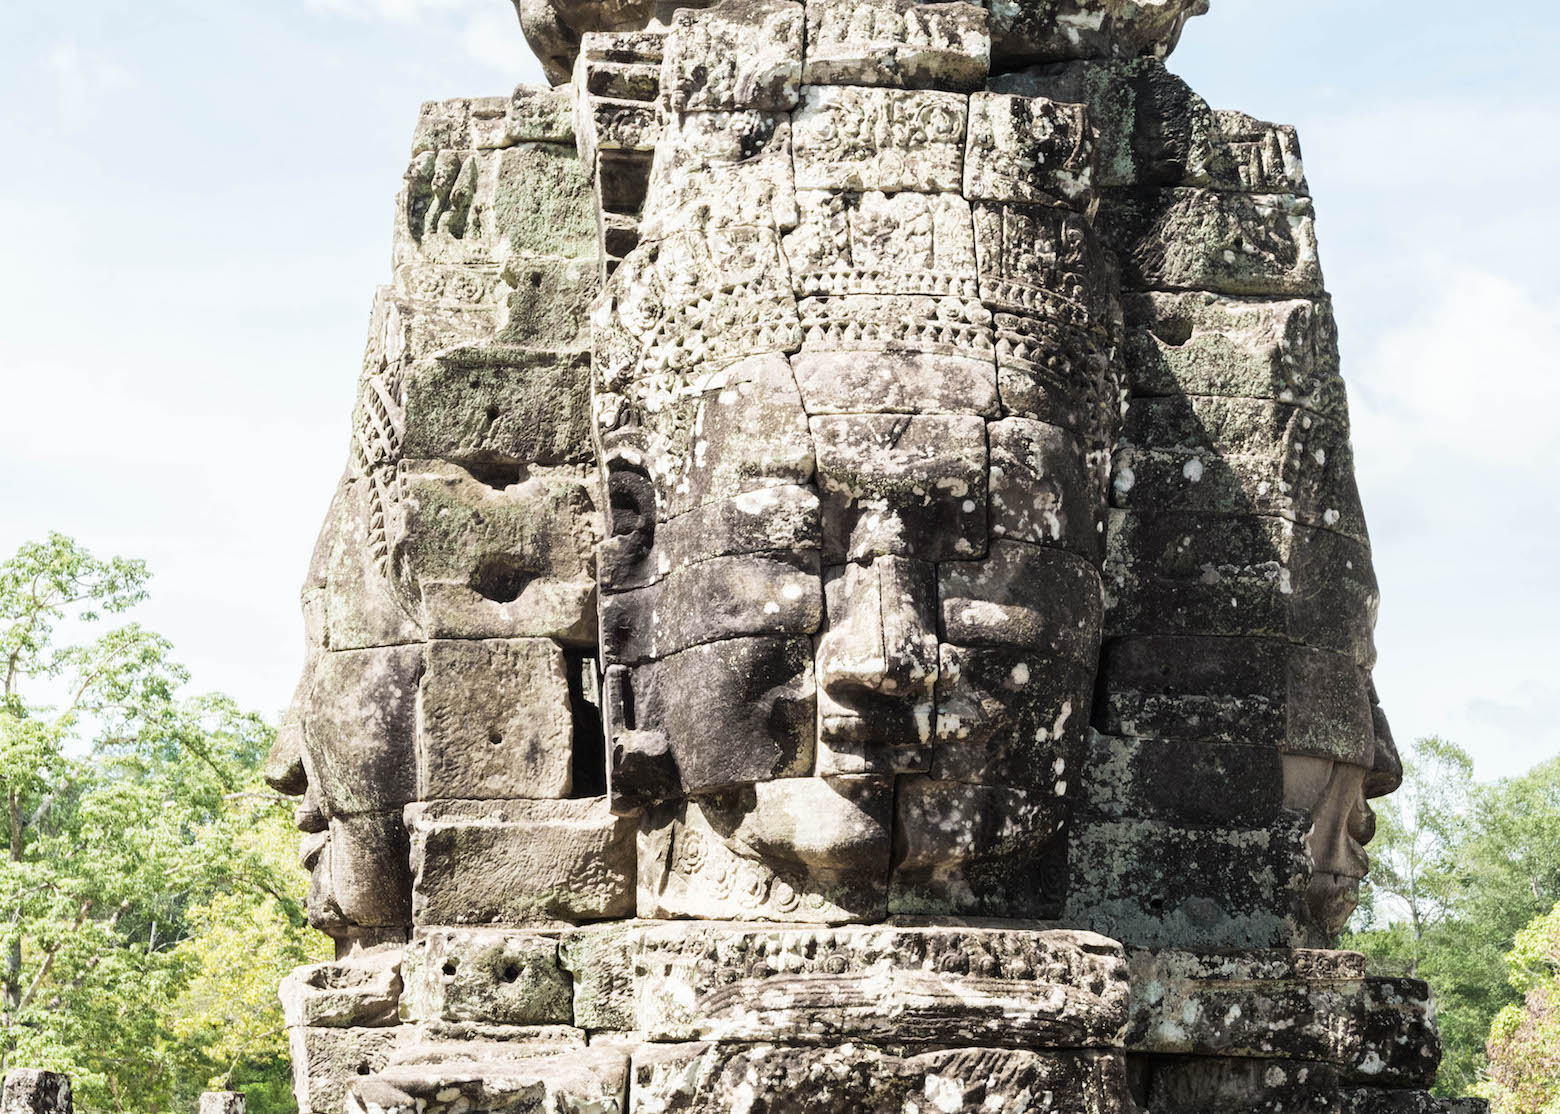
{"points": [[1022, 31], [1331, 900]]}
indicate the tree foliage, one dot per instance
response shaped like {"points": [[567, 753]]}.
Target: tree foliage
{"points": [[1524, 1044], [1458, 869], [148, 900]]}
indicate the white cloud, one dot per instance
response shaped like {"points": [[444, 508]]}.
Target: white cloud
{"points": [[85, 78], [1466, 391], [1467, 143], [1456, 436], [400, 11], [487, 30]]}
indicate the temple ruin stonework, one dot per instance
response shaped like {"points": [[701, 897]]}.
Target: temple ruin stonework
{"points": [[849, 594]]}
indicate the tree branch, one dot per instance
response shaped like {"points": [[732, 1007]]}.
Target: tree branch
{"points": [[48, 959]]}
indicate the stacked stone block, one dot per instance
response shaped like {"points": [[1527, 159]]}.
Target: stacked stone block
{"points": [[447, 715]]}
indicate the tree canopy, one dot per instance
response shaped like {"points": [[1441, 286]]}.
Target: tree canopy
{"points": [[148, 898], [1458, 869]]}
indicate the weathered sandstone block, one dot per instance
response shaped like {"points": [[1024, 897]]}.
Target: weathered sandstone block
{"points": [[964, 986], [519, 862], [485, 976], [706, 1079], [328, 1060], [359, 992]]}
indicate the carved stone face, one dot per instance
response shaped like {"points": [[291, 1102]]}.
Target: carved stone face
{"points": [[1337, 794], [856, 508]]}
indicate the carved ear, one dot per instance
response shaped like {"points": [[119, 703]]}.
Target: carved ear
{"points": [[630, 523]]}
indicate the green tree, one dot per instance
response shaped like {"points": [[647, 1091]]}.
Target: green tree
{"points": [[1414, 884], [1510, 871], [138, 840], [1458, 869], [1524, 1044]]}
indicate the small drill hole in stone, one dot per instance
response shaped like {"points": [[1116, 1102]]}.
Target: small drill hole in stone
{"points": [[497, 474], [363, 1069], [1174, 331], [495, 737], [449, 968], [510, 973], [501, 579]]}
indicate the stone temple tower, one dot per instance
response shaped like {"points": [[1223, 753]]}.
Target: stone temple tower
{"points": [[848, 594]]}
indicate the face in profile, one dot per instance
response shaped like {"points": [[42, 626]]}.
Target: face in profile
{"points": [[1337, 794]]}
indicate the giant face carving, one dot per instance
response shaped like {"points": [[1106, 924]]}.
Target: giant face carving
{"points": [[853, 408]]}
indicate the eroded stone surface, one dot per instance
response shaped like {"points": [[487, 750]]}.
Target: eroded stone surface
{"points": [[360, 991], [326, 1061], [702, 1079], [965, 986], [519, 862], [487, 977], [579, 1080]]}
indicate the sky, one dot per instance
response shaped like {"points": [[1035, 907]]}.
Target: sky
{"points": [[201, 195]]}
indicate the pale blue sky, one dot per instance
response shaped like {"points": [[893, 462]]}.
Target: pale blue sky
{"points": [[200, 201]]}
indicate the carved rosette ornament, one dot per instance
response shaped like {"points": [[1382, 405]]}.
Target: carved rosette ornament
{"points": [[849, 594]]}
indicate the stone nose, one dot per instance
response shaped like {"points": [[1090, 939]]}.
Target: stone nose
{"points": [[880, 642]]}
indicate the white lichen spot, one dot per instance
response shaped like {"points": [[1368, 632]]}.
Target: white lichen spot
{"points": [[771, 608], [1062, 718], [1192, 470], [1020, 674], [1330, 517], [945, 1094], [792, 591], [1124, 480]]}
